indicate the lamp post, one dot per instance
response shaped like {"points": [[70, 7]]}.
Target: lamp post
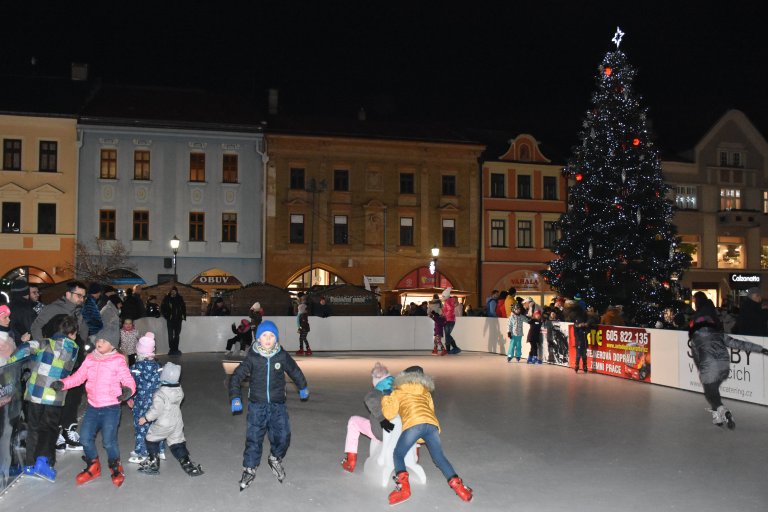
{"points": [[435, 254], [175, 248]]}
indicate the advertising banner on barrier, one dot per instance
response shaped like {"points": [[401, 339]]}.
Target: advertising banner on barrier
{"points": [[618, 351], [556, 343], [745, 381]]}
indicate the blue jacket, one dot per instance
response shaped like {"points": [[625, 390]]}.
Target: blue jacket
{"points": [[91, 315]]}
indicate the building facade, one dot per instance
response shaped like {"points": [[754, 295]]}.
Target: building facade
{"points": [[721, 196], [524, 194], [369, 209]]}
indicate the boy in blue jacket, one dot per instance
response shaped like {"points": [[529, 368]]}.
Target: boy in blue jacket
{"points": [[266, 365]]}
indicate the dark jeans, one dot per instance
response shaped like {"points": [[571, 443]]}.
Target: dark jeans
{"points": [[271, 418], [431, 438], [712, 394], [581, 347], [42, 432], [450, 343], [174, 330], [106, 420]]}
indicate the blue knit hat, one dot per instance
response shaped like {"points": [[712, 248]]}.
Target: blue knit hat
{"points": [[267, 326]]}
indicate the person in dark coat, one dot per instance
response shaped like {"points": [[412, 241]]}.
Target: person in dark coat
{"points": [[752, 319], [23, 309], [710, 349], [174, 310], [133, 306]]}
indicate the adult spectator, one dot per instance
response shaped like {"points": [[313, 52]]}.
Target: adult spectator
{"points": [[752, 319], [449, 311], [612, 316], [70, 304], [501, 310], [509, 301], [23, 309], [218, 308], [133, 307], [323, 309], [34, 296], [530, 307], [152, 308], [174, 310], [91, 313], [491, 303], [110, 313]]}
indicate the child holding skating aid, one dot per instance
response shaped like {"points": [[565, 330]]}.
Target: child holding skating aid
{"points": [[266, 365]]}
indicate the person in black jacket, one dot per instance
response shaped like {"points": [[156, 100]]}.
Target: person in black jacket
{"points": [[174, 310], [753, 319], [265, 366], [23, 309]]}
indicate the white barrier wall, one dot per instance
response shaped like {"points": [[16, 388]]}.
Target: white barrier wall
{"points": [[670, 363]]}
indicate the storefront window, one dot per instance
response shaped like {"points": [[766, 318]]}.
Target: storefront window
{"points": [[730, 252], [690, 246]]}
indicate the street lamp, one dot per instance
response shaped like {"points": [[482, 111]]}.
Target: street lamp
{"points": [[435, 254], [175, 248]]}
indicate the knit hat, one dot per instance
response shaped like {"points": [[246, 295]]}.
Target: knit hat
{"points": [[94, 288], [170, 373], [146, 344], [414, 369], [267, 326], [447, 292], [19, 287], [379, 373], [5, 310], [110, 332], [256, 307]]}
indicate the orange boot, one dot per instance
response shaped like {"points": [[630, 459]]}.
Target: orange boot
{"points": [[118, 477], [402, 489], [91, 472], [349, 462], [462, 491]]}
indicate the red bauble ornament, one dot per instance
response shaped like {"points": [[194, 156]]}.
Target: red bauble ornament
{"points": [[608, 71], [579, 177], [635, 141], [665, 284]]}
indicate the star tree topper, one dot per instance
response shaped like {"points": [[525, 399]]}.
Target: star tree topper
{"points": [[617, 37]]}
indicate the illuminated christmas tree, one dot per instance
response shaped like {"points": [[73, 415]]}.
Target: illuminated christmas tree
{"points": [[618, 244]]}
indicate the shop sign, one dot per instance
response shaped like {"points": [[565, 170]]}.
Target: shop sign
{"points": [[521, 280], [742, 281], [217, 281]]}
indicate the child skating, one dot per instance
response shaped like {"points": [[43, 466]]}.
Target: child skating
{"points": [[515, 333], [411, 398], [439, 348], [302, 322], [146, 373], [265, 366], [167, 424]]}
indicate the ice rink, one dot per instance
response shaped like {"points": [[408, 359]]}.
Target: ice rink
{"points": [[525, 438]]}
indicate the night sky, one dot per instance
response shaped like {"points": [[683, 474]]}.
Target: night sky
{"points": [[501, 65]]}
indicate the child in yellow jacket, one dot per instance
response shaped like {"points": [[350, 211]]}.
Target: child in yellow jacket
{"points": [[411, 398]]}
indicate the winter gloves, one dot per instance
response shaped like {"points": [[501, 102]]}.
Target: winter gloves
{"points": [[764, 351], [57, 385], [387, 425], [126, 394], [237, 406], [304, 394]]}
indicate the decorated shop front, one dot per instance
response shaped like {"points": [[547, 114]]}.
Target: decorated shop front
{"points": [[528, 283]]}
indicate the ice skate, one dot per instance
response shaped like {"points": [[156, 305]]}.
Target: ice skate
{"points": [[276, 466], [402, 489], [44, 470], [118, 476], [729, 420], [309, 350], [349, 462], [300, 352], [91, 472], [718, 416], [247, 479], [150, 465], [190, 467], [434, 351], [72, 438], [461, 490]]}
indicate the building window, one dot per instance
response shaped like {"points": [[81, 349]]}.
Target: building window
{"points": [[685, 197], [730, 252], [197, 167], [107, 224], [141, 225], [229, 227], [297, 228], [406, 183], [524, 234], [12, 154], [46, 218], [764, 254], [498, 233], [11, 217], [497, 185], [550, 187], [550, 234], [49, 152], [449, 233], [340, 231], [108, 164], [765, 201], [297, 179], [731, 158], [689, 244], [141, 164], [730, 199], [406, 231], [196, 226], [449, 185], [341, 180], [523, 186], [229, 168]]}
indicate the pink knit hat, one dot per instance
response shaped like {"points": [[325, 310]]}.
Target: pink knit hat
{"points": [[5, 310], [146, 345]]}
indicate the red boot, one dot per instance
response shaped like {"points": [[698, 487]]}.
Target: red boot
{"points": [[91, 472], [118, 477], [300, 352], [309, 350], [462, 491], [402, 489], [349, 462]]}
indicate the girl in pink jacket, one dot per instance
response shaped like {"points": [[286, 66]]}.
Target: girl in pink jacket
{"points": [[108, 382]]}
